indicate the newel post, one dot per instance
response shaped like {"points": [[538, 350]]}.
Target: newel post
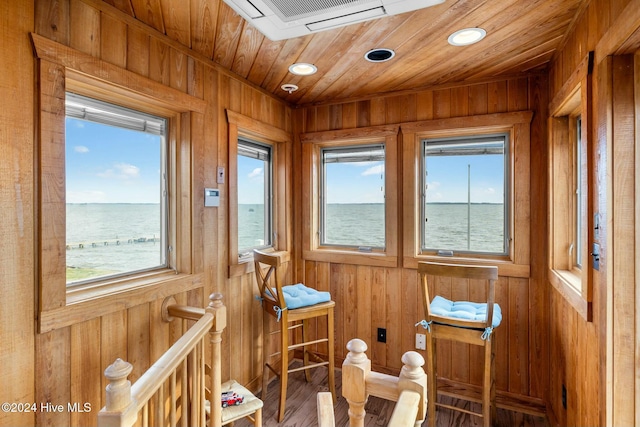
{"points": [[219, 311], [119, 409], [412, 377], [355, 370]]}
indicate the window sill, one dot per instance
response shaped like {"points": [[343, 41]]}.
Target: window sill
{"points": [[341, 256], [506, 267], [91, 301], [568, 284]]}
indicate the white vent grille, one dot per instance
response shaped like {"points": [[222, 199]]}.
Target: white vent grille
{"points": [[284, 19], [289, 10]]}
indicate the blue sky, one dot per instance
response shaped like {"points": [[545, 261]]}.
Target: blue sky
{"points": [[362, 182], [447, 179], [111, 165], [105, 164], [250, 181]]}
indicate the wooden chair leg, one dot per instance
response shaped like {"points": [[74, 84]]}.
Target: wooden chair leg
{"points": [[432, 391], [331, 355], [284, 366], [492, 392], [486, 386], [257, 418], [305, 349], [265, 355]]}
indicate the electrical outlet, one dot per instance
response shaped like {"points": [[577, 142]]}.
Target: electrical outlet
{"points": [[382, 335], [421, 341]]}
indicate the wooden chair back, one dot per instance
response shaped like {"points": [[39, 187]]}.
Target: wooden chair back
{"points": [[477, 274], [268, 281]]}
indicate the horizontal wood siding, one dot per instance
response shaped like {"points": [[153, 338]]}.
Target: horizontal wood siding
{"points": [[372, 297]]}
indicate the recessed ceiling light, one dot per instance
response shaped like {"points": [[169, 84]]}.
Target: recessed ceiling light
{"points": [[379, 55], [303, 69], [467, 36], [289, 87]]}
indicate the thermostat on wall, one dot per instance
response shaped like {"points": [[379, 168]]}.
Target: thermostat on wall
{"points": [[211, 197]]}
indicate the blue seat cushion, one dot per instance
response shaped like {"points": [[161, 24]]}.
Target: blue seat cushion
{"points": [[465, 310], [299, 295]]}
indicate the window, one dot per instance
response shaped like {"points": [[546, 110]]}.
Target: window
{"points": [[135, 128], [569, 184], [254, 196], [259, 180], [350, 189], [466, 191], [578, 199], [116, 210], [352, 208], [464, 205]]}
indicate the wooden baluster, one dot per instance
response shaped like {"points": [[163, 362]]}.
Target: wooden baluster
{"points": [[119, 411], [159, 415], [184, 409], [413, 378], [355, 370], [219, 323], [172, 392], [193, 387]]}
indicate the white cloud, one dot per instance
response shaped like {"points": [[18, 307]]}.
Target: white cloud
{"points": [[434, 185], [375, 170], [80, 149], [490, 190], [257, 172], [121, 171]]}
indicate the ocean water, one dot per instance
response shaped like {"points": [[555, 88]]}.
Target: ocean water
{"points": [[115, 237], [446, 228], [125, 237]]}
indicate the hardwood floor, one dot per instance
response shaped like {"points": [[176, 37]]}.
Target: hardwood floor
{"points": [[302, 410]]}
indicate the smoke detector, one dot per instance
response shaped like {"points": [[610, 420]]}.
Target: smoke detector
{"points": [[285, 19]]}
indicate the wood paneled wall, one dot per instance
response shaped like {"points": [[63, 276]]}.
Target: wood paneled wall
{"points": [[370, 297], [17, 323], [596, 360], [67, 364]]}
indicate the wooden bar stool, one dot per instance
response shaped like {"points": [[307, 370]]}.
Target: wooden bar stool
{"points": [[461, 321], [293, 306]]}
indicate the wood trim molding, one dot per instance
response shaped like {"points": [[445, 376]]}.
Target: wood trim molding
{"points": [[623, 29], [258, 128], [482, 122], [96, 306], [86, 69], [278, 139], [557, 105], [60, 69], [516, 262], [352, 135]]}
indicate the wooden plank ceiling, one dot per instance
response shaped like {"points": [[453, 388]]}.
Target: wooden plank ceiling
{"points": [[522, 35]]}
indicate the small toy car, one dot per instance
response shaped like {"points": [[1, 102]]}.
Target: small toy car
{"points": [[231, 398]]}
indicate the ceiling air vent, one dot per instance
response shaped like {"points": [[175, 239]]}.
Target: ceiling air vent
{"points": [[285, 19]]}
